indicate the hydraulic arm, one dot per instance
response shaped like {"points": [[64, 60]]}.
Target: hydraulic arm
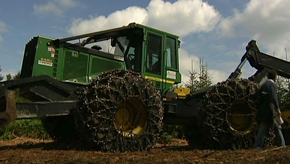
{"points": [[262, 62]]}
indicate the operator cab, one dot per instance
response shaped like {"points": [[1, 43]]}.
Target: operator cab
{"points": [[142, 49], [152, 52]]}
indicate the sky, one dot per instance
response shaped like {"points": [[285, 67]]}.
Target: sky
{"points": [[215, 30]]}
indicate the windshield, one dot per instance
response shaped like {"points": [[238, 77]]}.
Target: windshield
{"points": [[122, 45], [130, 47]]}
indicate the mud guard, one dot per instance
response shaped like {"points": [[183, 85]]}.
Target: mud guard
{"points": [[10, 113]]}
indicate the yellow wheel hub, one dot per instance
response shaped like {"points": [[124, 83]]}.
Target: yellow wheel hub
{"points": [[241, 117], [130, 118]]}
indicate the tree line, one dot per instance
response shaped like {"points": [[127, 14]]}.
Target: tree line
{"points": [[1, 77], [9, 76]]}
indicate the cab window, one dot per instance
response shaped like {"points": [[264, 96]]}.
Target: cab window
{"points": [[171, 56], [154, 53]]}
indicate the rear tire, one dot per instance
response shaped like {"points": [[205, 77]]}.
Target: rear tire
{"points": [[120, 111], [228, 115]]}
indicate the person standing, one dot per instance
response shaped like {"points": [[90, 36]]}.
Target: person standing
{"points": [[268, 111]]}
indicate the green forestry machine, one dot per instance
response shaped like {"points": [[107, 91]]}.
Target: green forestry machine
{"points": [[118, 98]]}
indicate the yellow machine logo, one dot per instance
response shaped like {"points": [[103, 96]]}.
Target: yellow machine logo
{"points": [[45, 62]]}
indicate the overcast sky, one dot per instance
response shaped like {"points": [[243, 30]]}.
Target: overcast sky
{"points": [[215, 30]]}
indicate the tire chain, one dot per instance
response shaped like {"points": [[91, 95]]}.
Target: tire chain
{"points": [[97, 106], [217, 133]]}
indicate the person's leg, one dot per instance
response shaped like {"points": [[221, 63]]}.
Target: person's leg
{"points": [[278, 135], [259, 142]]}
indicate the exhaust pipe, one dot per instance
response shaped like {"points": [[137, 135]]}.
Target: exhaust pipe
{"points": [[11, 113]]}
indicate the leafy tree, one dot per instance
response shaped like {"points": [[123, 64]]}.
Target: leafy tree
{"points": [[8, 77], [15, 77], [199, 80], [193, 80], [283, 92], [1, 77]]}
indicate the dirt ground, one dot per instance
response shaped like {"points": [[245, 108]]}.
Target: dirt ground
{"points": [[26, 150]]}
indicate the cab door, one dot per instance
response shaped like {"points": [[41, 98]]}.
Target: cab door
{"points": [[171, 61], [154, 58], [161, 59]]}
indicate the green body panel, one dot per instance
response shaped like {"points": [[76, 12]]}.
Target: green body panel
{"points": [[146, 50], [99, 65], [43, 61], [75, 66], [69, 65], [59, 60], [80, 67]]}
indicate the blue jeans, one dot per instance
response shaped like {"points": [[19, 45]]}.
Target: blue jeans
{"points": [[264, 128]]}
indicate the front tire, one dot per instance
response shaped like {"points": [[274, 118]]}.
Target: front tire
{"points": [[120, 111]]}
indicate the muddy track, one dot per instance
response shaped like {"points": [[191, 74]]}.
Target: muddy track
{"points": [[25, 150]]}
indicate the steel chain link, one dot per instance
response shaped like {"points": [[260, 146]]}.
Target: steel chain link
{"points": [[98, 106], [216, 108]]}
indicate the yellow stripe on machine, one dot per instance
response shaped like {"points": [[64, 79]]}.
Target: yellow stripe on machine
{"points": [[159, 79]]}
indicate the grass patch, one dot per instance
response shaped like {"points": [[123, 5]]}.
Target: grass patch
{"points": [[31, 128], [171, 132]]}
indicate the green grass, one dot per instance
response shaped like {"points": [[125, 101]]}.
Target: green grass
{"points": [[171, 132], [31, 128]]}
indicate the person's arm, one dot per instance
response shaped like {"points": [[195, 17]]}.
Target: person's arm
{"points": [[274, 97]]}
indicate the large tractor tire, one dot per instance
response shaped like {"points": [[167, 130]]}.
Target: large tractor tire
{"points": [[119, 111], [60, 127], [228, 115]]}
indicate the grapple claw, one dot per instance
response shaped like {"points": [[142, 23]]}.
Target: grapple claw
{"points": [[10, 113]]}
